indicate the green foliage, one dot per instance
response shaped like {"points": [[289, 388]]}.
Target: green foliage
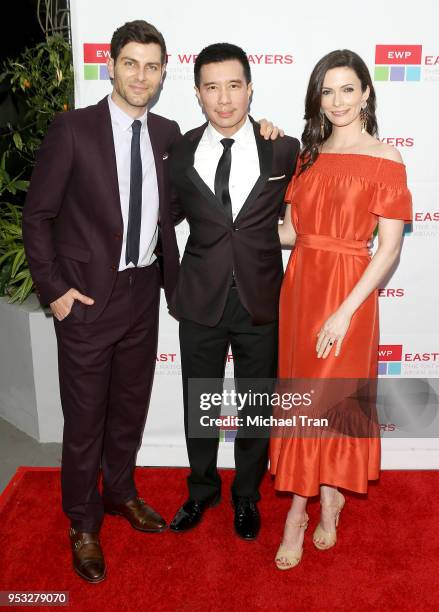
{"points": [[40, 83], [15, 278]]}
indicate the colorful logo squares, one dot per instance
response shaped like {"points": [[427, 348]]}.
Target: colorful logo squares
{"points": [[389, 359], [398, 62], [397, 73], [389, 369], [96, 73], [95, 61]]}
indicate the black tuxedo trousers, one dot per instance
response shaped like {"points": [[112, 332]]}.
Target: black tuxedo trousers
{"points": [[204, 352]]}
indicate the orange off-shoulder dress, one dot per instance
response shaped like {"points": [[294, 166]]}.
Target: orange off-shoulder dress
{"points": [[335, 208]]}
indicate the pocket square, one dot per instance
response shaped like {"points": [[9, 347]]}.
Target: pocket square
{"points": [[277, 178], [165, 156]]}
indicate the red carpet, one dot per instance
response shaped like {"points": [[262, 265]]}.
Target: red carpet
{"points": [[386, 558]]}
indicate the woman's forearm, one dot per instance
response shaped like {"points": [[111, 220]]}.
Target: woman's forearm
{"points": [[375, 273], [287, 234]]}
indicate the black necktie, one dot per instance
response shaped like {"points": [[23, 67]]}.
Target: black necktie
{"points": [[135, 211], [222, 176]]}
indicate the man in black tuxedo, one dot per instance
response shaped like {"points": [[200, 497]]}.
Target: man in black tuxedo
{"points": [[230, 184]]}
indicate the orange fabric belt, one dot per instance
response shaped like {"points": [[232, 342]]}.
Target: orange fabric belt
{"points": [[336, 245]]}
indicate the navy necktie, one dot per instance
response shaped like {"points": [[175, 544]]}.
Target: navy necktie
{"points": [[222, 176], [135, 210]]}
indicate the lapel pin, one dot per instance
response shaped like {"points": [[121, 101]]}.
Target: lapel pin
{"points": [[165, 156]]}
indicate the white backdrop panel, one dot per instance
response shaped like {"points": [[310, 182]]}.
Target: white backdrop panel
{"points": [[284, 40]]}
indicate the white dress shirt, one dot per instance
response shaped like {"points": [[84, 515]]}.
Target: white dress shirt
{"points": [[122, 132], [244, 171]]}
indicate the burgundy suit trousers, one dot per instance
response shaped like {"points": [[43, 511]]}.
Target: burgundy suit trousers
{"points": [[106, 370]]}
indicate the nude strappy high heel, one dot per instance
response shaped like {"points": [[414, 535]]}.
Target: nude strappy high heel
{"points": [[288, 558], [329, 537]]}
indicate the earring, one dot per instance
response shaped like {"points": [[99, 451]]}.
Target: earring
{"points": [[363, 117], [322, 126]]}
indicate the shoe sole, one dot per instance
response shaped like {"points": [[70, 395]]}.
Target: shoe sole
{"points": [[184, 530], [246, 538], [283, 568], [323, 548], [212, 504], [90, 580]]}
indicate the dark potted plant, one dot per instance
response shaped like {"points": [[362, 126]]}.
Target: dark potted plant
{"points": [[34, 87], [40, 83]]}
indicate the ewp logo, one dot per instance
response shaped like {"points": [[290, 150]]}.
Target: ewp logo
{"points": [[389, 359], [95, 61], [398, 62]]}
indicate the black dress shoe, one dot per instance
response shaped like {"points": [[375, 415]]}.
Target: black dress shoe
{"points": [[247, 520], [191, 513]]}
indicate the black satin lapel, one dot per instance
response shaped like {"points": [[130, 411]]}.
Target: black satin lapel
{"points": [[108, 157], [195, 177], [265, 152], [203, 188]]}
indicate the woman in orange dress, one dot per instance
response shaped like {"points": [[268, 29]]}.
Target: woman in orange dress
{"points": [[347, 182]]}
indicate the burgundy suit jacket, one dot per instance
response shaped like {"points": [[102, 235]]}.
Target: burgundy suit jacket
{"points": [[72, 219]]}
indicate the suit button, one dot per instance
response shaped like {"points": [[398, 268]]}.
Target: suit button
{"points": [[113, 268]]}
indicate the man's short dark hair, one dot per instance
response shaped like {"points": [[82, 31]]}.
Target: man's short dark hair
{"points": [[221, 52], [137, 31]]}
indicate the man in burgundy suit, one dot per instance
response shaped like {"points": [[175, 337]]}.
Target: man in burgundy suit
{"points": [[96, 214]]}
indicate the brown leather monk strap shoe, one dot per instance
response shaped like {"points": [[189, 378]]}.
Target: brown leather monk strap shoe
{"points": [[138, 514], [88, 558]]}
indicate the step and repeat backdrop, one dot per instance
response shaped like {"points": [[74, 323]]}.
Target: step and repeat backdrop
{"points": [[283, 41]]}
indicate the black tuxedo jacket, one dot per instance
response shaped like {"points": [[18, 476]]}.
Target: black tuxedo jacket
{"points": [[72, 219], [249, 247]]}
